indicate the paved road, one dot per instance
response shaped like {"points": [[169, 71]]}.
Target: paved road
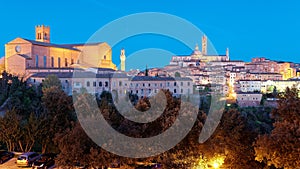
{"points": [[11, 164]]}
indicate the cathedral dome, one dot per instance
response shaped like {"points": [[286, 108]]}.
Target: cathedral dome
{"points": [[196, 53]]}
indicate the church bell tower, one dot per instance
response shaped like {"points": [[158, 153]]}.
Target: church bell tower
{"points": [[122, 58], [42, 33], [204, 45]]}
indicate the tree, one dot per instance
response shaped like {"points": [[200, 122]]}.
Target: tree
{"points": [[232, 141], [77, 148], [24, 99], [30, 129], [177, 74], [281, 148], [51, 81], [57, 116], [10, 129]]}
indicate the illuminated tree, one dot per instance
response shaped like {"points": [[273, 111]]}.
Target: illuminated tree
{"points": [[281, 148]]}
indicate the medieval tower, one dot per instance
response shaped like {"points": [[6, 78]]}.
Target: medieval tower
{"points": [[42, 33], [204, 45], [122, 58]]}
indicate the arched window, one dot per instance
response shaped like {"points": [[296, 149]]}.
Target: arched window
{"points": [[52, 62], [100, 84], [58, 61], [66, 62]]}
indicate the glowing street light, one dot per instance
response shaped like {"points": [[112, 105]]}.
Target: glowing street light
{"points": [[216, 165]]}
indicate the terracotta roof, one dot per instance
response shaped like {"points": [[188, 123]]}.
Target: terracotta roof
{"points": [[50, 45]]}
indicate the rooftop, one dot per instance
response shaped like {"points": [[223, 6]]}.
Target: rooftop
{"points": [[50, 45]]}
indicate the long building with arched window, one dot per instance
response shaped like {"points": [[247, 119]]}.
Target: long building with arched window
{"points": [[23, 55]]}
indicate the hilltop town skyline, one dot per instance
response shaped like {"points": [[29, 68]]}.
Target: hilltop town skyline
{"points": [[258, 30]]}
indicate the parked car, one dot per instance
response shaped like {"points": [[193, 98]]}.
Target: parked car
{"points": [[45, 161], [27, 159], [5, 155]]}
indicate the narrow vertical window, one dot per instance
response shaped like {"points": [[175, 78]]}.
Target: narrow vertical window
{"points": [[36, 61], [45, 61], [58, 62], [52, 62], [66, 62]]}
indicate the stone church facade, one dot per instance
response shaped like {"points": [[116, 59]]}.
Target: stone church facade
{"points": [[23, 54]]}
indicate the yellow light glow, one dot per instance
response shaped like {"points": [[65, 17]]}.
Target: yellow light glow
{"points": [[217, 161], [216, 165]]}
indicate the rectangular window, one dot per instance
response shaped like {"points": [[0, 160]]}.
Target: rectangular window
{"points": [[45, 61], [36, 61], [52, 62]]}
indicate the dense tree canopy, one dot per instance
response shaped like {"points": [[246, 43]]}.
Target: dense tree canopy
{"points": [[43, 119], [281, 148]]}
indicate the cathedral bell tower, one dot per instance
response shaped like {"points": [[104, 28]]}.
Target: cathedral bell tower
{"points": [[122, 58], [204, 45], [42, 33]]}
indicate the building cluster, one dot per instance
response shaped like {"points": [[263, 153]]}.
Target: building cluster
{"points": [[245, 82], [82, 66], [90, 66]]}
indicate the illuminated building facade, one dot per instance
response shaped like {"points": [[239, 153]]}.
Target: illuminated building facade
{"points": [[22, 54]]}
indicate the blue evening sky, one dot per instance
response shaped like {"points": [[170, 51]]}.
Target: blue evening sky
{"points": [[250, 28]]}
